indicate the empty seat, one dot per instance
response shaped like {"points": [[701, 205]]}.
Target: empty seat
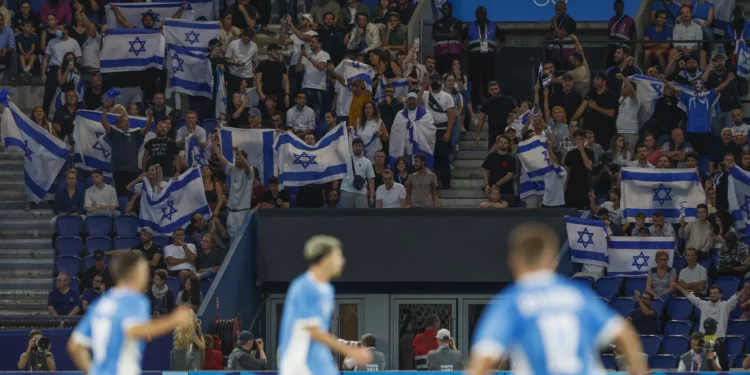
{"points": [[205, 286], [209, 125], [658, 305], [623, 305], [98, 243], [678, 328], [609, 362], [160, 240], [736, 312], [68, 264], [679, 263], [68, 245], [739, 327], [679, 308], [98, 226], [651, 344], [635, 283], [122, 243], [126, 226], [734, 344], [586, 281], [69, 225], [174, 284], [608, 287], [728, 286], [662, 361], [122, 203], [706, 263], [675, 345]]}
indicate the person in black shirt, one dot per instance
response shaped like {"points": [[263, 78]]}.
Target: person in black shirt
{"points": [[92, 97], [567, 98], [160, 109], [496, 107], [98, 269], [578, 163], [730, 95], [598, 110], [405, 10], [623, 65], [332, 38], [161, 150], [244, 14], [726, 147], [389, 108], [667, 116], [65, 115], [499, 168], [273, 198], [26, 14], [209, 259], [271, 77], [268, 109]]}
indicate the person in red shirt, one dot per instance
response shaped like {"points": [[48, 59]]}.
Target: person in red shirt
{"points": [[258, 188], [425, 342], [213, 359]]}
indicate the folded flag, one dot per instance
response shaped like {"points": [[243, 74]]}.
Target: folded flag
{"points": [[93, 149], [44, 154], [191, 35], [412, 133], [635, 256], [535, 164], [134, 12], [400, 85], [674, 192], [351, 70], [738, 194], [649, 90], [132, 50], [301, 164], [587, 240], [188, 72], [195, 9], [258, 143], [195, 153], [172, 208], [743, 59], [221, 93]]}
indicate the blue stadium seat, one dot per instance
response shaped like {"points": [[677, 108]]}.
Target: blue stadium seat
{"points": [[122, 243], [602, 299], [609, 362], [98, 226], [675, 345], [89, 261], [174, 284], [658, 305], [586, 281], [739, 327], [679, 263], [662, 362], [735, 313], [205, 286], [209, 125], [122, 202], [706, 263], [75, 283], [679, 308], [96, 243], [734, 344], [126, 226], [635, 283], [623, 305], [68, 246], [68, 264], [745, 240], [728, 286], [678, 328], [608, 287], [651, 344], [703, 162], [69, 225], [738, 361], [160, 240]]}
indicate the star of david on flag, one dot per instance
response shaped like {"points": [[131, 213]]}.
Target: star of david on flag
{"points": [[587, 239], [192, 37], [304, 159], [662, 194], [141, 46], [177, 62], [635, 256], [174, 204], [675, 193], [168, 211], [151, 13], [640, 261]]}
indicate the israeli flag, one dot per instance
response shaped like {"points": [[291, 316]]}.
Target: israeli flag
{"points": [[326, 161], [258, 143], [195, 153], [92, 148], [738, 189], [743, 59], [412, 131], [44, 154], [674, 192], [134, 12], [172, 208], [635, 256], [132, 50], [221, 93], [351, 70], [191, 35], [534, 156], [78, 84], [649, 90], [188, 72], [401, 86], [197, 8], [587, 240]]}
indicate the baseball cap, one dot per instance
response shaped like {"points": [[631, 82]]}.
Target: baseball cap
{"points": [[710, 324], [245, 337], [412, 95], [255, 112], [719, 55], [510, 128], [443, 334], [273, 47], [306, 16], [147, 230], [99, 254]]}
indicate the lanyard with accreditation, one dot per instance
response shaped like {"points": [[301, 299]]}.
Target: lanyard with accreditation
{"points": [[484, 46]]}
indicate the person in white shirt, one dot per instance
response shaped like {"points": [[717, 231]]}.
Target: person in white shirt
{"points": [[441, 107], [391, 194], [180, 256], [53, 56], [740, 130], [687, 30], [351, 197], [245, 53], [694, 277], [240, 190], [314, 64], [627, 116], [612, 205], [715, 307], [300, 39], [100, 199], [191, 127], [301, 117], [698, 233], [641, 157]]}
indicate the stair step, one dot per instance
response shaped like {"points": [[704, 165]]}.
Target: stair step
{"points": [[472, 136], [472, 173], [28, 273], [11, 304], [461, 203], [467, 183], [14, 194], [27, 283], [47, 254], [10, 313], [24, 264], [20, 213], [460, 164], [28, 223], [12, 164], [471, 155], [20, 204], [6, 173], [471, 146], [462, 193], [6, 156], [26, 243], [41, 231], [39, 295]]}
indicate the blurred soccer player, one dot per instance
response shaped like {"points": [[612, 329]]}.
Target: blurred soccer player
{"points": [[304, 343], [547, 324], [116, 325]]}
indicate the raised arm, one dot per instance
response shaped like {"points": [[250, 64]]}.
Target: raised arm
{"points": [[120, 19], [724, 84], [105, 123]]}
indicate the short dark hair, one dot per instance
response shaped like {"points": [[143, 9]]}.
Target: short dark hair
{"points": [[697, 335], [431, 320], [316, 38], [602, 212], [358, 141], [657, 214], [327, 13], [97, 171], [123, 264], [640, 145], [714, 286], [33, 333], [368, 340], [625, 49], [686, 6], [363, 14], [301, 93], [273, 180], [578, 57], [659, 13], [161, 273], [421, 158], [692, 154], [249, 31], [580, 133], [703, 206]]}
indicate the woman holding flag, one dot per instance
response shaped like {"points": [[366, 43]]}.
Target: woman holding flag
{"points": [[371, 129]]}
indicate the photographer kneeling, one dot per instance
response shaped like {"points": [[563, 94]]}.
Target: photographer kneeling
{"points": [[701, 358], [243, 356], [37, 356]]}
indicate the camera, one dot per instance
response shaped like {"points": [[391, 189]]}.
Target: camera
{"points": [[42, 344], [707, 345]]}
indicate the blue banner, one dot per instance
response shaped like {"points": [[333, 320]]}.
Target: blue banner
{"points": [[539, 10]]}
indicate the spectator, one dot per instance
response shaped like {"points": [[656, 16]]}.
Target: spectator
{"points": [[323, 7], [154, 181], [245, 52], [301, 117], [199, 227], [494, 199], [485, 40], [740, 130], [659, 34], [698, 233], [603, 174], [370, 127], [92, 294], [357, 187], [40, 118], [69, 199], [26, 14], [723, 225], [694, 277], [695, 359], [376, 364], [727, 146], [213, 359], [733, 257], [612, 205], [396, 34], [243, 357], [244, 14], [686, 30], [421, 186], [239, 109], [578, 164], [209, 260], [228, 32], [64, 116], [99, 268], [269, 109], [567, 98], [447, 34], [667, 117], [641, 157], [623, 67], [364, 37], [645, 318], [661, 229], [348, 15], [670, 7], [745, 304], [664, 162], [314, 64], [59, 8], [499, 169], [676, 149], [188, 347], [446, 357], [300, 39], [599, 111], [378, 166], [240, 190], [714, 308], [190, 294], [332, 199], [213, 190], [36, 358], [391, 194], [729, 100], [63, 301], [101, 199], [272, 79], [27, 46], [125, 148], [612, 228], [180, 256], [162, 299], [273, 198], [53, 57], [161, 151], [662, 278], [426, 341], [93, 96], [153, 253], [495, 110], [191, 128], [620, 150], [627, 123], [401, 170], [332, 36], [405, 10], [562, 25]]}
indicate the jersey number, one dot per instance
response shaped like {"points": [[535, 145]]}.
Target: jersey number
{"points": [[560, 335], [100, 330]]}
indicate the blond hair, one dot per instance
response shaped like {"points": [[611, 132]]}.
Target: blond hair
{"points": [[183, 336]]}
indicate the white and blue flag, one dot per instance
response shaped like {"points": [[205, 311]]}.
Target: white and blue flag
{"points": [[400, 85], [743, 59], [738, 194], [257, 143], [134, 12], [587, 239], [171, 208], [195, 153], [412, 133], [351, 70], [189, 72], [301, 164], [535, 164], [674, 192], [649, 90], [635, 256], [132, 50], [44, 154], [93, 149], [191, 35], [196, 9], [79, 89], [221, 93]]}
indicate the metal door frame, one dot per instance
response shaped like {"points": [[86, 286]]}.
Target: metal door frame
{"points": [[463, 339]]}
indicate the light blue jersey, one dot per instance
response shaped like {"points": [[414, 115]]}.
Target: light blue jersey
{"points": [[548, 325], [103, 330], [309, 303]]}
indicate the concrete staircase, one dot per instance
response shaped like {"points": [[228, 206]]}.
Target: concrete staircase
{"points": [[26, 254], [467, 183]]}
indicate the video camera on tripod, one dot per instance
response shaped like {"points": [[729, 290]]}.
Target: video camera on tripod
{"points": [[38, 355]]}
